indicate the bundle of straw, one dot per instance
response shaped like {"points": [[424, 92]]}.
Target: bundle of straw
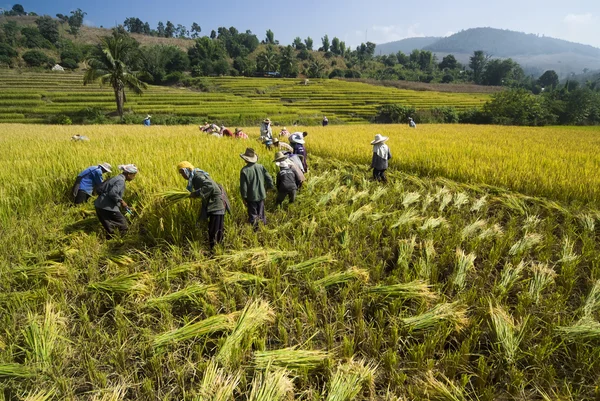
{"points": [[41, 395], [506, 331], [196, 329], [15, 370], [354, 273], [129, 283], [290, 358], [586, 329], [452, 313], [44, 270], [173, 196], [191, 293], [415, 289], [439, 390], [255, 257], [217, 384], [242, 278], [349, 379], [271, 386], [310, 263]]}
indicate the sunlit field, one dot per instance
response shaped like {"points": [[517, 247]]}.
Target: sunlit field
{"points": [[473, 274]]}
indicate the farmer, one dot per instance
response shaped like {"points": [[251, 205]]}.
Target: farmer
{"points": [[411, 123], [88, 180], [79, 138], [297, 142], [214, 200], [111, 198], [381, 155], [254, 182], [325, 121], [147, 120], [288, 180], [282, 145], [226, 132], [205, 127], [239, 134], [266, 133], [284, 133]]}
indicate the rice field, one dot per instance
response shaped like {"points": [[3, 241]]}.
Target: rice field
{"points": [[28, 97], [472, 275]]}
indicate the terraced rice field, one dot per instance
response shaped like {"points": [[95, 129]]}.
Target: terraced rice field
{"points": [[36, 97], [473, 274]]}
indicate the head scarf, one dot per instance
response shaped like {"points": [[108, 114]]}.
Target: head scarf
{"points": [[128, 168]]}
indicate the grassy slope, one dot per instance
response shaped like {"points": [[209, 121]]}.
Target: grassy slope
{"points": [[505, 272]]}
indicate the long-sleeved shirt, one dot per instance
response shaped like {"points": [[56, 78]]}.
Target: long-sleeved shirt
{"points": [[381, 163], [299, 149], [91, 177], [112, 194], [287, 179], [254, 182], [209, 191]]}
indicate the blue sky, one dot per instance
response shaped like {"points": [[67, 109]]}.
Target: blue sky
{"points": [[352, 21]]}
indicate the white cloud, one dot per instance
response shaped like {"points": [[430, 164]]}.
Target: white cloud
{"points": [[579, 18], [387, 33], [88, 22]]}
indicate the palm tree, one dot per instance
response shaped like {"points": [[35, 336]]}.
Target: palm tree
{"points": [[110, 63]]}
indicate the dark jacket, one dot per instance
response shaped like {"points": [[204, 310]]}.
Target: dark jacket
{"points": [[112, 194], [287, 180], [299, 149], [379, 163], [209, 191], [254, 181]]}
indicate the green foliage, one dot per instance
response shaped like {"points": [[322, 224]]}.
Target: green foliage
{"points": [[477, 63], [394, 113], [32, 38], [517, 107], [76, 21], [48, 28], [37, 58], [548, 79], [7, 54], [502, 73]]}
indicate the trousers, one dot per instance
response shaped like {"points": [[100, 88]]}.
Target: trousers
{"points": [[282, 194], [110, 220], [216, 229], [256, 212]]}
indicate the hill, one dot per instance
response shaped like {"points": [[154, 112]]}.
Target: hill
{"points": [[406, 45]]}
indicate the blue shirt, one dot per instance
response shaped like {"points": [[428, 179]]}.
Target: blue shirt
{"points": [[91, 177]]}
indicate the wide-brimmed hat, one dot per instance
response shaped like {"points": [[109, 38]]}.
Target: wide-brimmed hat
{"points": [[266, 120], [148, 116], [249, 155], [237, 130], [106, 167], [296, 139], [284, 129], [378, 139], [280, 156]]}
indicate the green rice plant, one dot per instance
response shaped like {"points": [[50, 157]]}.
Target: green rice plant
{"points": [[173, 196], [134, 283], [271, 386], [354, 216], [444, 390], [464, 264], [45, 270], [256, 314], [406, 249], [592, 302], [290, 358], [526, 243], [433, 222], [509, 276], [452, 313], [195, 329], [242, 278], [471, 229], [217, 384], [542, 277], [410, 198], [585, 330], [182, 268], [191, 293], [40, 395], [479, 203], [336, 278], [349, 380], [15, 370], [43, 336], [409, 216], [309, 264], [508, 334], [414, 290]]}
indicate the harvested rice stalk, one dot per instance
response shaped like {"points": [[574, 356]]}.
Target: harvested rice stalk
{"points": [[525, 244], [349, 380], [15, 370], [586, 329], [414, 290], [129, 283], [271, 386], [444, 390], [41, 395], [242, 278], [354, 273], [196, 329], [542, 277], [464, 263], [592, 303], [508, 333], [192, 293], [173, 196], [46, 270], [217, 384], [255, 257], [452, 313], [116, 393], [290, 358], [310, 263]]}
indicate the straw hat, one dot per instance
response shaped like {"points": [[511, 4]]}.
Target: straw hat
{"points": [[280, 156], [284, 129], [378, 139], [148, 116], [106, 167], [296, 139], [249, 155], [266, 120]]}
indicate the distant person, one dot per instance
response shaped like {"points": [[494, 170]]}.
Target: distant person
{"points": [[147, 120], [110, 199], [239, 134], [411, 123], [225, 132], [254, 182], [297, 142], [266, 133], [288, 179], [79, 138], [381, 156], [205, 127], [282, 145], [284, 133], [87, 181], [214, 200], [325, 121]]}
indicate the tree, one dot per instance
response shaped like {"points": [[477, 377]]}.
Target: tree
{"points": [[287, 62], [160, 29], [196, 30], [7, 54], [181, 31], [477, 63], [48, 27], [448, 62], [134, 25], [32, 38], [36, 58], [297, 44], [335, 46], [549, 79], [169, 30], [267, 61], [11, 29], [270, 38], [325, 43], [501, 72], [213, 34], [309, 43], [18, 10], [62, 18], [342, 48], [110, 63], [76, 21]]}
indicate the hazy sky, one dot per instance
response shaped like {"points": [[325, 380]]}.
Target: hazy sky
{"points": [[352, 21]]}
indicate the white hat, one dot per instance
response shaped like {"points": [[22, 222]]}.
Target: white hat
{"points": [[296, 139], [148, 116], [106, 167], [378, 139], [128, 168]]}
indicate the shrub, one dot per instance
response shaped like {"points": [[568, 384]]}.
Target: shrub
{"points": [[61, 119], [394, 113], [445, 114], [352, 74], [69, 64], [36, 58]]}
